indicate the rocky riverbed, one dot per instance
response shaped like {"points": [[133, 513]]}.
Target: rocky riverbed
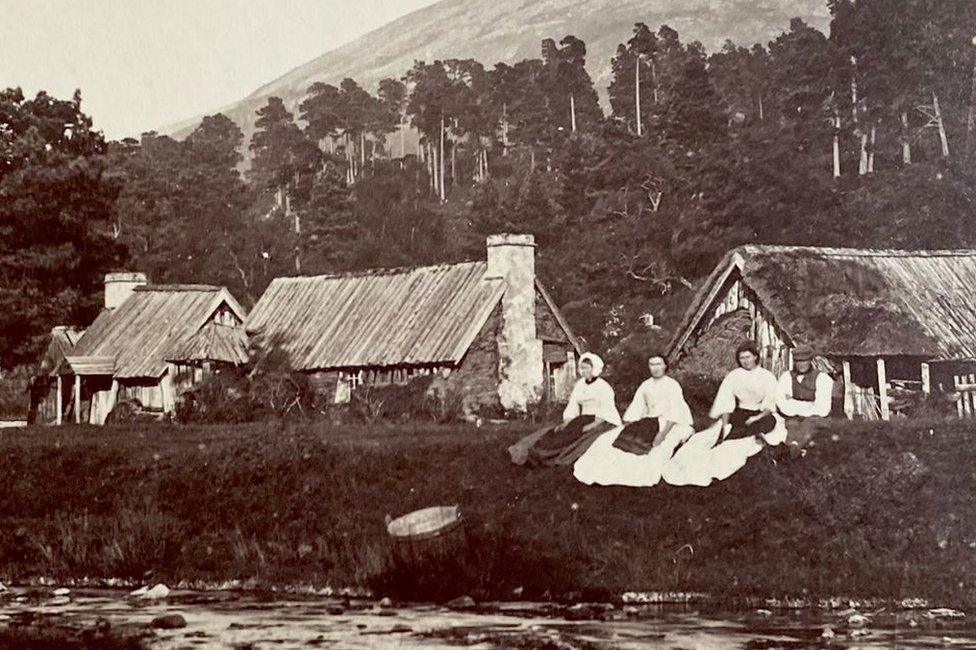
{"points": [[106, 618]]}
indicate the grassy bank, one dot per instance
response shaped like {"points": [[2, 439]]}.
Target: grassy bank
{"points": [[882, 511]]}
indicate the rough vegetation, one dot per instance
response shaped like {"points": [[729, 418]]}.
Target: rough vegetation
{"points": [[873, 510]]}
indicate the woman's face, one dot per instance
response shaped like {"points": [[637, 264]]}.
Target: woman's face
{"points": [[748, 360], [586, 369], [658, 367]]}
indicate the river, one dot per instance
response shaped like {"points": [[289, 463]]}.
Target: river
{"points": [[243, 620]]}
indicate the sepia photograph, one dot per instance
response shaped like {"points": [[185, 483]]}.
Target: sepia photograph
{"points": [[487, 324]]}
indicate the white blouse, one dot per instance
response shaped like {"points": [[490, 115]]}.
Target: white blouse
{"points": [[659, 398], [752, 390], [819, 407], [595, 398]]}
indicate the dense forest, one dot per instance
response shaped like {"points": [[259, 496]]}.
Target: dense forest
{"points": [[863, 137]]}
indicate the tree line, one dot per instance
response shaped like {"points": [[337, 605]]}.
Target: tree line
{"points": [[860, 137]]}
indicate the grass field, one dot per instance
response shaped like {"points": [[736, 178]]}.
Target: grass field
{"points": [[883, 510]]}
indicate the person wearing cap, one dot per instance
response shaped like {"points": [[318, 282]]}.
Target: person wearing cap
{"points": [[804, 391]]}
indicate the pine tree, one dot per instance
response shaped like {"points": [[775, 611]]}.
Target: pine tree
{"points": [[55, 217]]}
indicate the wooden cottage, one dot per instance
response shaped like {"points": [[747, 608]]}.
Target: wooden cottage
{"points": [[148, 343], [489, 327], [45, 389], [888, 323]]}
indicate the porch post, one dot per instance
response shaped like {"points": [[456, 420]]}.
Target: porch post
{"points": [[59, 413], [883, 390], [926, 380], [848, 391], [77, 399]]}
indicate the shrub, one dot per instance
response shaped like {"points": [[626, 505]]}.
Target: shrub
{"points": [[13, 392]]}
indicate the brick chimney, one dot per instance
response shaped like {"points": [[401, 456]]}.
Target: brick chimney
{"points": [[119, 286], [521, 367]]}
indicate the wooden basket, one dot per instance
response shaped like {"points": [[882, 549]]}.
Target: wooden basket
{"points": [[427, 534]]}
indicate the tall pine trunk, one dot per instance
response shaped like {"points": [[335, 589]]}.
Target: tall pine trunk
{"points": [[836, 144], [654, 80], [906, 145], [440, 156], [572, 111], [862, 167], [940, 123], [762, 117], [874, 133], [637, 97]]}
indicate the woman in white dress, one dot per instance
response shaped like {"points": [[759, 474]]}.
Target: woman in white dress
{"points": [[658, 420], [591, 411], [745, 420]]}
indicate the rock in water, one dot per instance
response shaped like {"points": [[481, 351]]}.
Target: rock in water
{"points": [[62, 591], [464, 602], [385, 603], [156, 593], [169, 622], [827, 633], [857, 620]]}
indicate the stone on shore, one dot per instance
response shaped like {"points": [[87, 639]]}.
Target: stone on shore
{"points": [[169, 622]]}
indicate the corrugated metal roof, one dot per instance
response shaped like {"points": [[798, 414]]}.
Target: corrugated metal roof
{"points": [[153, 320], [415, 316], [857, 302], [214, 342]]}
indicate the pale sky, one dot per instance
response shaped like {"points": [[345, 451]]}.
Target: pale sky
{"points": [[144, 64]]}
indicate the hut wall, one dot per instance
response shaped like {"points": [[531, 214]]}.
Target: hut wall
{"points": [[546, 324], [476, 377], [323, 383], [763, 331], [148, 392]]}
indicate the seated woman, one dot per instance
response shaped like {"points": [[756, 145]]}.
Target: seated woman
{"points": [[658, 420], [591, 411], [745, 420]]}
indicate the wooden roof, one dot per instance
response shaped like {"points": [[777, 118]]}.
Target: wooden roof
{"points": [[213, 342], [387, 317], [154, 320], [61, 343], [854, 302]]}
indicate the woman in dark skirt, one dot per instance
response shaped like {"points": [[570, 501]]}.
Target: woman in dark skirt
{"points": [[591, 411], [745, 421]]}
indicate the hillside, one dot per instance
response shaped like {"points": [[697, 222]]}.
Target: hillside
{"points": [[511, 30]]}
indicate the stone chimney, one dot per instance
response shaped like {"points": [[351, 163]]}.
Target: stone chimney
{"points": [[521, 368], [119, 286]]}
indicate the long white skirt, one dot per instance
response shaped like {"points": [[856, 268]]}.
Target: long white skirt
{"points": [[604, 464], [704, 459]]}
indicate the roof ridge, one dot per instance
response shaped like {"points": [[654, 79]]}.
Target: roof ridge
{"points": [[378, 271], [861, 252], [178, 287]]}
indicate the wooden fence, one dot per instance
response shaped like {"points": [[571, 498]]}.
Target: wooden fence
{"points": [[965, 386]]}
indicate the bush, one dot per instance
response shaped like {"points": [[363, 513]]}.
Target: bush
{"points": [[699, 391], [413, 401], [13, 392], [223, 397]]}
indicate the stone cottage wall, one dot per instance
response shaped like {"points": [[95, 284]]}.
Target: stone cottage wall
{"points": [[476, 377]]}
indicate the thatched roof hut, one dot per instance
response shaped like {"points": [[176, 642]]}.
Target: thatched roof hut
{"points": [[856, 307]]}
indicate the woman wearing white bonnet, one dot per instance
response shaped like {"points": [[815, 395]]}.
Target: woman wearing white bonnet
{"points": [[592, 395], [591, 412]]}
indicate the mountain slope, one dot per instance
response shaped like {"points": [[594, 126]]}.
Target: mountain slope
{"points": [[511, 30]]}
